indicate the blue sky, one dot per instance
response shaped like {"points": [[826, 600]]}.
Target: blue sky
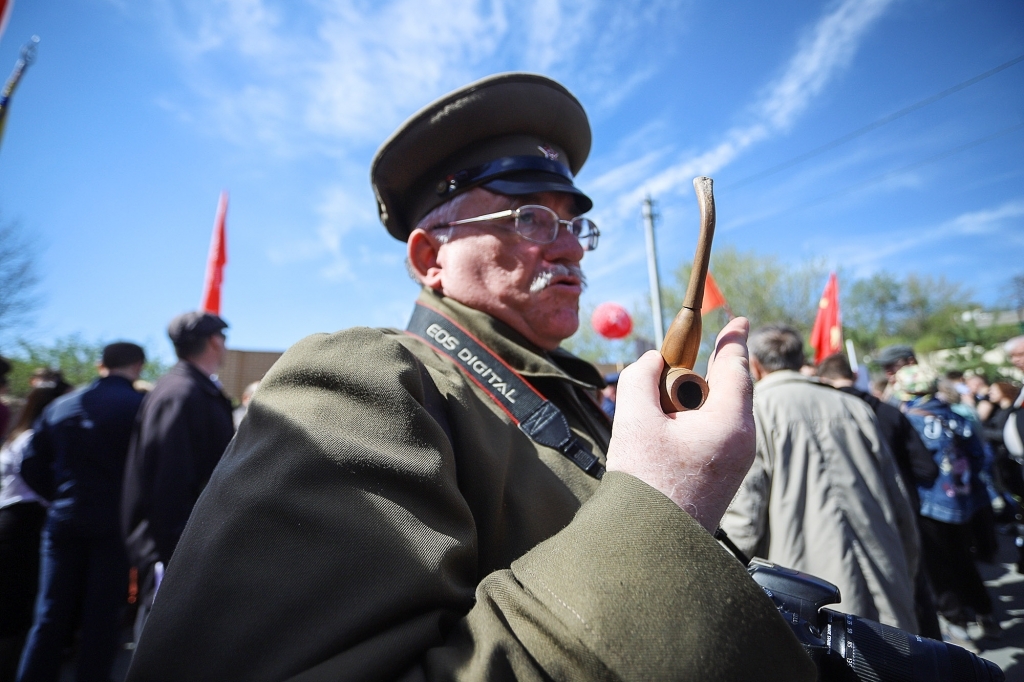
{"points": [[137, 114]]}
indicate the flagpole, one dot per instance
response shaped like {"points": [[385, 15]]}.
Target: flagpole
{"points": [[28, 55], [652, 272], [852, 354]]}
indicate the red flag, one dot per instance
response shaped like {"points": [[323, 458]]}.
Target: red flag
{"points": [[827, 335], [713, 297], [218, 257], [5, 13]]}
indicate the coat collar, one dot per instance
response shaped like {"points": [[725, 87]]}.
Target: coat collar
{"points": [[185, 368], [111, 380], [524, 357], [784, 376]]}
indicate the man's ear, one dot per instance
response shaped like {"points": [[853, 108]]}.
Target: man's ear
{"points": [[756, 369], [423, 249]]}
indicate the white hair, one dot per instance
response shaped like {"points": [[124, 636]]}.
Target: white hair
{"points": [[440, 215], [1013, 343], [446, 212]]}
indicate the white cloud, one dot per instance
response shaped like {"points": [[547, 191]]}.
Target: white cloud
{"points": [[380, 65], [987, 221], [824, 52], [820, 56], [339, 78], [332, 76], [340, 211], [1003, 220]]}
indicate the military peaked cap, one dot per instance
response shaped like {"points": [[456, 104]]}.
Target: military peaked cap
{"points": [[513, 133]]}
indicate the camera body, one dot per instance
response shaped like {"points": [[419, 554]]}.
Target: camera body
{"points": [[846, 647]]}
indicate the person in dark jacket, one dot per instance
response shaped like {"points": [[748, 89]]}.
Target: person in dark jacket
{"points": [[76, 459], [181, 432], [1002, 396], [949, 504], [915, 462], [22, 515]]}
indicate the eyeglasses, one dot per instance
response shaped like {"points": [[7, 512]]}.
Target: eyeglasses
{"points": [[539, 224]]}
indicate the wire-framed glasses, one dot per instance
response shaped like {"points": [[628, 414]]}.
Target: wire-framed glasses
{"points": [[539, 224]]}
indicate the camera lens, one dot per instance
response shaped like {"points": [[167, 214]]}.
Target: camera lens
{"points": [[872, 651]]}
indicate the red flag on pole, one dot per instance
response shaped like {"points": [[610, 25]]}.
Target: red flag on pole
{"points": [[218, 257], [713, 297], [827, 335]]}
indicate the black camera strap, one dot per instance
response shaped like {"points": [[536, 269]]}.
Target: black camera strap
{"points": [[535, 415]]}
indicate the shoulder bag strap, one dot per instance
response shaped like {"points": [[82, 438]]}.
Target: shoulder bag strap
{"points": [[536, 416]]}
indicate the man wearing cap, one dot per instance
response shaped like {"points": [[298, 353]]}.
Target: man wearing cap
{"points": [[892, 358], [182, 430], [433, 504], [76, 459]]}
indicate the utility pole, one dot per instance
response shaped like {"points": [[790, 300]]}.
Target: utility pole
{"points": [[652, 272]]}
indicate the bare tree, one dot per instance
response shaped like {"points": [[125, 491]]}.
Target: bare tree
{"points": [[18, 279], [1015, 291]]}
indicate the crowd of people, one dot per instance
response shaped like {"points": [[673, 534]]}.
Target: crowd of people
{"points": [[452, 501], [97, 486], [891, 495]]}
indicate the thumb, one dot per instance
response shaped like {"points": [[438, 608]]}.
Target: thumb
{"points": [[639, 382]]}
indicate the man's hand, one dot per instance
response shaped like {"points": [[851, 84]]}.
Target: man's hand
{"points": [[697, 458]]}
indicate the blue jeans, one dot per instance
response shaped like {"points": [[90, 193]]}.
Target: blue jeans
{"points": [[79, 574]]}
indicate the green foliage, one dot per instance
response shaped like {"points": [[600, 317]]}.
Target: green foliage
{"points": [[923, 311], [761, 288], [75, 357]]}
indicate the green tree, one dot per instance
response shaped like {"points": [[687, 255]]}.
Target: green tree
{"points": [[75, 357], [762, 288], [922, 311]]}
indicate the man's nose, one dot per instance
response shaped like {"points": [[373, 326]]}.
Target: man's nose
{"points": [[566, 246]]}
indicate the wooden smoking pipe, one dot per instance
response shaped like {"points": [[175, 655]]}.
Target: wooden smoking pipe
{"points": [[682, 388]]}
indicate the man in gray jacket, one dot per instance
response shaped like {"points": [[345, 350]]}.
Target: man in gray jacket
{"points": [[824, 495]]}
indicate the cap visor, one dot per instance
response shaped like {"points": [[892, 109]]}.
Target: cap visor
{"points": [[521, 187]]}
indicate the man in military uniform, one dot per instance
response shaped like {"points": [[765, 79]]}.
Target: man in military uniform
{"points": [[380, 515]]}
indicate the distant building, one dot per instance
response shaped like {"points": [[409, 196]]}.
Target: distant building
{"points": [[242, 367]]}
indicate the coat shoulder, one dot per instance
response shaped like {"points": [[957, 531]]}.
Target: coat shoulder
{"points": [[356, 356]]}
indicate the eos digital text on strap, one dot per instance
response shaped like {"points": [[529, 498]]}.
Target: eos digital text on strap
{"points": [[535, 415]]}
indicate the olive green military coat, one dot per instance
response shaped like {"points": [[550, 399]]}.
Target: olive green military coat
{"points": [[379, 517]]}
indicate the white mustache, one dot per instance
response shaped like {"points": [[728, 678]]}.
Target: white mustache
{"points": [[550, 272]]}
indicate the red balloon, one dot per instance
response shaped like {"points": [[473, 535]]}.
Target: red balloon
{"points": [[611, 321]]}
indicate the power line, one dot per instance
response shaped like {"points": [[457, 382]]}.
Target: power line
{"points": [[912, 166], [876, 124]]}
